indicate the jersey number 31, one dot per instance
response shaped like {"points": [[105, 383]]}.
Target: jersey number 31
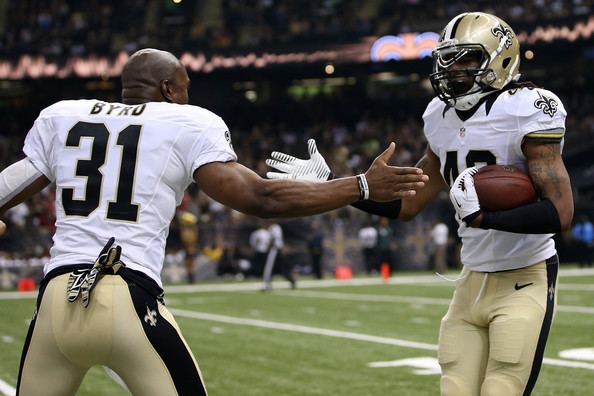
{"points": [[122, 208]]}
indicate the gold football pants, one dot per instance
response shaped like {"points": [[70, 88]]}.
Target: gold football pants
{"points": [[124, 328], [492, 339]]}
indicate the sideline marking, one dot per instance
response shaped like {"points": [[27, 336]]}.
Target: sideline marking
{"points": [[6, 389], [576, 287], [402, 299], [363, 297], [313, 294], [340, 334], [421, 365], [578, 354], [116, 378], [302, 329], [318, 294], [399, 279]]}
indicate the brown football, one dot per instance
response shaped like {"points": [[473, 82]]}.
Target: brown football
{"points": [[502, 187]]}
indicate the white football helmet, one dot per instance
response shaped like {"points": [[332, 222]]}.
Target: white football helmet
{"points": [[486, 41]]}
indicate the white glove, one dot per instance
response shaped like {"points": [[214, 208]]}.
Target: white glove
{"points": [[463, 196], [313, 169]]}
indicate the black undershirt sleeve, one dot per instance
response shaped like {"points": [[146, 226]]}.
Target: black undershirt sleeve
{"points": [[385, 209], [390, 209], [536, 218]]}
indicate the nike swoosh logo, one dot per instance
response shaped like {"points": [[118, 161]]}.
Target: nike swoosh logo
{"points": [[457, 203], [518, 287]]}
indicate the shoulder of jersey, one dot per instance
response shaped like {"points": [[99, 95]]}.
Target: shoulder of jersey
{"points": [[185, 114], [435, 107], [67, 107], [526, 102]]}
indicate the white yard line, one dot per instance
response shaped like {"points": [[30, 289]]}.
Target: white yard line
{"points": [[6, 389], [302, 329], [568, 272], [318, 294], [327, 283], [576, 286], [575, 309], [247, 286], [402, 299], [363, 297], [340, 334]]}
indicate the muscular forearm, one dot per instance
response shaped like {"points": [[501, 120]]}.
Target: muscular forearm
{"points": [[240, 188], [550, 178], [291, 199]]}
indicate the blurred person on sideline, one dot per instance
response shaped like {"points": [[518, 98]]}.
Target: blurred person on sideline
{"points": [[276, 260], [439, 236], [583, 234], [367, 237], [260, 240], [120, 171], [188, 234], [315, 245], [383, 245]]}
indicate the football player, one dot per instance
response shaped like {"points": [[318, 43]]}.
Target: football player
{"points": [[120, 170], [492, 339]]}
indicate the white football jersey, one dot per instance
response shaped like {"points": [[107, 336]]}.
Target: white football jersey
{"points": [[494, 135], [121, 171]]}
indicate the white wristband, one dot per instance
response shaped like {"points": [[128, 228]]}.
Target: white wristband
{"points": [[363, 186]]}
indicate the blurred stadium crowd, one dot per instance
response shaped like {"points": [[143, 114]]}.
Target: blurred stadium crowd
{"points": [[58, 28], [351, 122]]}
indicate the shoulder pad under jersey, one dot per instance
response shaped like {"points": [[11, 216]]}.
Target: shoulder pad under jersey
{"points": [[535, 110]]}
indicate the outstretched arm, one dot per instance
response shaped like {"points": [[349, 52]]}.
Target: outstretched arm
{"points": [[408, 207], [240, 188], [411, 206], [18, 183]]}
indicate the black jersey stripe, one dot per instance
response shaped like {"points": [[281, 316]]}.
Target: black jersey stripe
{"points": [[552, 265]]}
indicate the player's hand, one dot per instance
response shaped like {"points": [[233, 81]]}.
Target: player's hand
{"points": [[2, 227], [313, 169], [463, 196], [388, 183]]}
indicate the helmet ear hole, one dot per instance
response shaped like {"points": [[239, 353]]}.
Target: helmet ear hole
{"points": [[505, 63]]}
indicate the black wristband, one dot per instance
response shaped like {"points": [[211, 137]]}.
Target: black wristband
{"points": [[536, 218], [385, 209]]}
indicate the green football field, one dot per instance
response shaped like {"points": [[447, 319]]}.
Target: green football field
{"points": [[360, 337]]}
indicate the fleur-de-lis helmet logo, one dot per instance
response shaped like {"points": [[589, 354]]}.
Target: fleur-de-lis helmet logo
{"points": [[502, 32], [546, 104]]}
